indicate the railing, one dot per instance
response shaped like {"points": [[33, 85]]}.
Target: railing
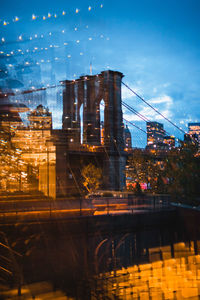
{"points": [[134, 204], [27, 209]]}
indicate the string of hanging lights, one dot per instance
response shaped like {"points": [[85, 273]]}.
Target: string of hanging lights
{"points": [[36, 48], [49, 15]]}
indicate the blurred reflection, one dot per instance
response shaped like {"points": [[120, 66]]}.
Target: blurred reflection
{"points": [[27, 156], [90, 261], [175, 278]]}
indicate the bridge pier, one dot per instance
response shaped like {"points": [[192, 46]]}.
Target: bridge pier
{"points": [[89, 91]]}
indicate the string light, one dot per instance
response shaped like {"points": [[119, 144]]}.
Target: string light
{"points": [[31, 64], [36, 36], [39, 36], [34, 17], [36, 49], [23, 38]]}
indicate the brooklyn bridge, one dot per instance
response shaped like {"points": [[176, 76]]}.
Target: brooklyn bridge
{"points": [[95, 247]]}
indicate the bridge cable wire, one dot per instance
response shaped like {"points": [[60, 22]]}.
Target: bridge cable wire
{"points": [[133, 124], [123, 103], [135, 112], [141, 117], [153, 107]]}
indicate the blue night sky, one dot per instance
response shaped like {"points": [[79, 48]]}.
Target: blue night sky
{"points": [[155, 44]]}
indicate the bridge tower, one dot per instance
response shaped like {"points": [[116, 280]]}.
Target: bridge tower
{"points": [[87, 92]]}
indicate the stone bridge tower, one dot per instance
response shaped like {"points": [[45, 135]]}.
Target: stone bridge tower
{"points": [[86, 93]]}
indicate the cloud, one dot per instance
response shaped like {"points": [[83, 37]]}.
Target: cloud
{"points": [[164, 104], [167, 84], [165, 99], [127, 94]]}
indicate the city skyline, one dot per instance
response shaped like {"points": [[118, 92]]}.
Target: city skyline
{"points": [[155, 45]]}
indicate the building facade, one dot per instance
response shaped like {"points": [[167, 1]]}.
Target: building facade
{"points": [[194, 131], [169, 141], [155, 135]]}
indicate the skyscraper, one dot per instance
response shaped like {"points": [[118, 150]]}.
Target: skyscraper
{"points": [[169, 141], [193, 133], [155, 134], [194, 130]]}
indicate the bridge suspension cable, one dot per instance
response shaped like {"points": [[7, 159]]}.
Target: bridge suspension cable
{"points": [[130, 108], [153, 107], [133, 124]]}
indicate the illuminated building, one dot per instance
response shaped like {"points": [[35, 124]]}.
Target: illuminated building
{"points": [[12, 167], [170, 141], [191, 138], [155, 135], [37, 148], [32, 150], [194, 128], [127, 138], [194, 131], [40, 118]]}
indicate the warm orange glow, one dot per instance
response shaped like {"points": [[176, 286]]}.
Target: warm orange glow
{"points": [[173, 278]]}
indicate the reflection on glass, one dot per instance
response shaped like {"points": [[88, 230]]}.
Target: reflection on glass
{"points": [[170, 278]]}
